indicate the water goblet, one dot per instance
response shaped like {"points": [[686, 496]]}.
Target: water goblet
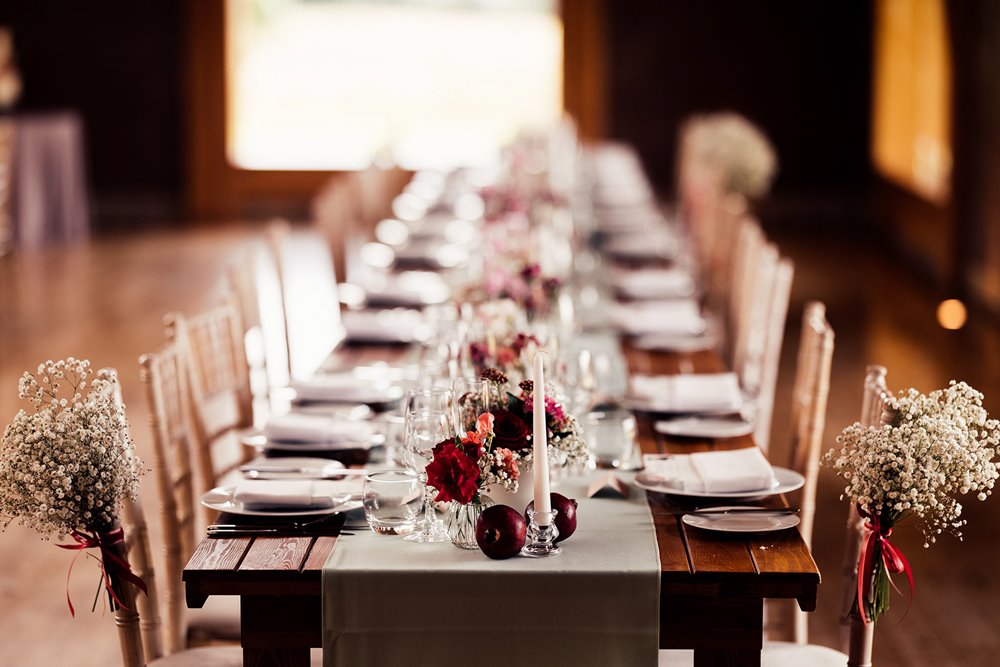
{"points": [[424, 430], [471, 398]]}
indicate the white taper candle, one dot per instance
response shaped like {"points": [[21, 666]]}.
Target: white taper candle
{"points": [[539, 437]]}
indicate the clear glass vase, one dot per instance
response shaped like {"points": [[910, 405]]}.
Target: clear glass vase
{"points": [[461, 521]]}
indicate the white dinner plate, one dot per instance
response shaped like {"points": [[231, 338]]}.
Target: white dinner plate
{"points": [[705, 427], [788, 480], [741, 523], [256, 438], [291, 467], [671, 342], [221, 499]]}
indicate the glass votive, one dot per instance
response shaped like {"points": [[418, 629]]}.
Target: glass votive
{"points": [[391, 500], [611, 437]]}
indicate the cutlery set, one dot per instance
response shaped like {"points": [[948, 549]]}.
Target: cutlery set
{"points": [[313, 527], [733, 510]]}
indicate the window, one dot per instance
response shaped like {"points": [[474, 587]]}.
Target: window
{"points": [[330, 85], [911, 134]]}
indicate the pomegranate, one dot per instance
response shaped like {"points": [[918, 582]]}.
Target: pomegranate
{"points": [[566, 517], [500, 532]]}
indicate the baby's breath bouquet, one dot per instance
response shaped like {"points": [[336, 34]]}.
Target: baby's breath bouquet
{"points": [[67, 464], [937, 447]]}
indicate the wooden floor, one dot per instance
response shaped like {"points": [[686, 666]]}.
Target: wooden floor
{"points": [[105, 301]]}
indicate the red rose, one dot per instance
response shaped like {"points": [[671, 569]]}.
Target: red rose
{"points": [[510, 431], [453, 474]]}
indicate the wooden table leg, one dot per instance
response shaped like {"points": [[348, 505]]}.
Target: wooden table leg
{"points": [[726, 658], [277, 657], [722, 631], [279, 629]]}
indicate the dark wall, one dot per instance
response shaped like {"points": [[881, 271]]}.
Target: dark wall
{"points": [[119, 63], [801, 70]]}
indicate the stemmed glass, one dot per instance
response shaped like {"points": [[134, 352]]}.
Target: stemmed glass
{"points": [[434, 397], [425, 428], [471, 399]]}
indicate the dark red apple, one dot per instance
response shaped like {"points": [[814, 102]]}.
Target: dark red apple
{"points": [[566, 517], [500, 532]]}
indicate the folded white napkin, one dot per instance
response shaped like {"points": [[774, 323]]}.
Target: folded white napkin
{"points": [[315, 428], [682, 316], [731, 471], [289, 494], [653, 283], [658, 244], [342, 388], [389, 326], [410, 289], [688, 392]]}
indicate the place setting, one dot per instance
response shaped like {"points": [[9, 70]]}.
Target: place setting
{"points": [[721, 476]]}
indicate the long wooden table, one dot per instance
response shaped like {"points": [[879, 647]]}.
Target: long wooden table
{"points": [[712, 587]]}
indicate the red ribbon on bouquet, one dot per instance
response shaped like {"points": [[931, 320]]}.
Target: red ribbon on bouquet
{"points": [[111, 563], [877, 545]]}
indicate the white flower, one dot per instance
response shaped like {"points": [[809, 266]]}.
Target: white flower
{"points": [[737, 148], [939, 446], [68, 464]]}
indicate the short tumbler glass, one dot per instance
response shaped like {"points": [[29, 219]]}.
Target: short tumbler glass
{"points": [[611, 438], [392, 501]]}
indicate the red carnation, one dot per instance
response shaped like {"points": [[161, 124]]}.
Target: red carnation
{"points": [[453, 474], [510, 431]]}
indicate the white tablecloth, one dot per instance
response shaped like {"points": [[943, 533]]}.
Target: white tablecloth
{"points": [[391, 602]]}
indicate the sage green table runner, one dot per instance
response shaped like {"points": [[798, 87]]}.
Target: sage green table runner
{"points": [[391, 602]]}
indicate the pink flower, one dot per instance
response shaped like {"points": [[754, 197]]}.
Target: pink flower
{"points": [[484, 425], [506, 462]]}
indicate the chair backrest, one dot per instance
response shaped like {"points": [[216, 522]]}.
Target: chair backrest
{"points": [[146, 605], [254, 286], [721, 250], [808, 418], [808, 412], [750, 244], [138, 620], [856, 636], [777, 314], [310, 298], [277, 232], [218, 385], [165, 376], [760, 328]]}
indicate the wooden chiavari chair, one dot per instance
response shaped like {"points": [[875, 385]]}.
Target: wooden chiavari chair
{"points": [[808, 413], [738, 309], [764, 280], [856, 636], [256, 289], [165, 376], [138, 622], [138, 619], [807, 421], [335, 213], [309, 297], [218, 384]]}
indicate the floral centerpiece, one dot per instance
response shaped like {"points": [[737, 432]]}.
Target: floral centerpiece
{"points": [[462, 469], [67, 464], [502, 352], [938, 446], [521, 283], [513, 425]]}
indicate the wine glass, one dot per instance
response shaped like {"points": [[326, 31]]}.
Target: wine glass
{"points": [[425, 428], [435, 397], [471, 398]]}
